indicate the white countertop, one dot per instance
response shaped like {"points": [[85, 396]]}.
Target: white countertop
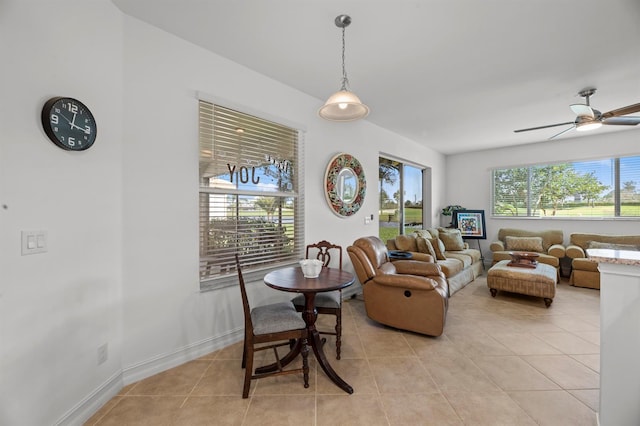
{"points": [[620, 257]]}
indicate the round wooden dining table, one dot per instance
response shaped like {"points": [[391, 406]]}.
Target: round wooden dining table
{"points": [[292, 280]]}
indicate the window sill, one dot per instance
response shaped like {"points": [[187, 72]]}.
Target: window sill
{"points": [[625, 218], [217, 283]]}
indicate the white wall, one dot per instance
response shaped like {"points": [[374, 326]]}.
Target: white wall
{"points": [[166, 319], [57, 307], [468, 180], [122, 218]]}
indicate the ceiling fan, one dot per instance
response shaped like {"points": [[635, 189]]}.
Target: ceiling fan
{"points": [[588, 118]]}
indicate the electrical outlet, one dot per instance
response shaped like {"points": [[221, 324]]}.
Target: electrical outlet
{"points": [[103, 353]]}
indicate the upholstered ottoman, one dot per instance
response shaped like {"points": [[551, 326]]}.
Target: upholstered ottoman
{"points": [[540, 282]]}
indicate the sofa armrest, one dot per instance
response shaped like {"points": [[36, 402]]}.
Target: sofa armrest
{"points": [[575, 252], [557, 250], [421, 257], [497, 246], [417, 267], [391, 244]]}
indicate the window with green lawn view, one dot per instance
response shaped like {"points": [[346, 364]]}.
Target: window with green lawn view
{"points": [[605, 188], [250, 193], [400, 190]]}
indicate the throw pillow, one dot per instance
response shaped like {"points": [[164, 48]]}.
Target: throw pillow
{"points": [[424, 246], [423, 233], [406, 243], [434, 232], [438, 247], [611, 246], [524, 244], [452, 240]]}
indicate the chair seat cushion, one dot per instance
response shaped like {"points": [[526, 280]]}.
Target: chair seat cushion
{"points": [[466, 260], [275, 318], [450, 267], [323, 300]]}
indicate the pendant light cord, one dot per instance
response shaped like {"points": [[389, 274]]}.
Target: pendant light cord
{"points": [[345, 80]]}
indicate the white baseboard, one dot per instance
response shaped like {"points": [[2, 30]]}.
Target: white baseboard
{"points": [[89, 405], [86, 408], [188, 353]]}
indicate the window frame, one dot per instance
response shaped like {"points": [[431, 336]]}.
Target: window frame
{"points": [[257, 272], [402, 198], [615, 185]]}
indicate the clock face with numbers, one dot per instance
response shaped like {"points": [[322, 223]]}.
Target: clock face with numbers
{"points": [[69, 123]]}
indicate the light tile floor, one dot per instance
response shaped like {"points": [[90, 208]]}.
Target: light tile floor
{"points": [[501, 361]]}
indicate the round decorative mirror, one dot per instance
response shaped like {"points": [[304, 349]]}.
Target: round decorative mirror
{"points": [[345, 185]]}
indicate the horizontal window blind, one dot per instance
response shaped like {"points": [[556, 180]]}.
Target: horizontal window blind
{"points": [[608, 187], [629, 186], [250, 192]]}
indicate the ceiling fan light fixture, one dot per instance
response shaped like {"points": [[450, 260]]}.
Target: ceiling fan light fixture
{"points": [[343, 105], [586, 125]]}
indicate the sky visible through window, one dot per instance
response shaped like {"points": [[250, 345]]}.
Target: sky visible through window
{"points": [[603, 170], [412, 184]]}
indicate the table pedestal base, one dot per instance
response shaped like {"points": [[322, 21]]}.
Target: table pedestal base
{"points": [[316, 342]]}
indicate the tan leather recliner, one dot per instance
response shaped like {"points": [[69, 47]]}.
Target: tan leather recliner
{"points": [[406, 294]]}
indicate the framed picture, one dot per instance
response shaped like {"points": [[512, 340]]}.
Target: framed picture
{"points": [[470, 223]]}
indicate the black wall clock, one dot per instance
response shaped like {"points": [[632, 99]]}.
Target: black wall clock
{"points": [[69, 123]]}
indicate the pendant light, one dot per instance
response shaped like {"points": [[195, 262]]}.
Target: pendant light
{"points": [[343, 105]]}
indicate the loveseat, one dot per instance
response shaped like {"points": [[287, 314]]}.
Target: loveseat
{"points": [[406, 294], [459, 263], [548, 244], [584, 272]]}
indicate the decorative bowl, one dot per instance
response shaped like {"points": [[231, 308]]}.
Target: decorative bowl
{"points": [[523, 259], [311, 267]]}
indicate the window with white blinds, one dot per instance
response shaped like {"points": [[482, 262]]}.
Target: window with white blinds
{"points": [[250, 193], [603, 188]]}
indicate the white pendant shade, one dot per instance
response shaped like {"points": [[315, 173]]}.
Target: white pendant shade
{"points": [[343, 106]]}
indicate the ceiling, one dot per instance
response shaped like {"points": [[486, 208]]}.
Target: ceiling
{"points": [[456, 76]]}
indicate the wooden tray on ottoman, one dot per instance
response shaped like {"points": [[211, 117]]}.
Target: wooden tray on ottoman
{"points": [[523, 259]]}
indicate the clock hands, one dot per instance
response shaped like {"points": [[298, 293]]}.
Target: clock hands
{"points": [[72, 122]]}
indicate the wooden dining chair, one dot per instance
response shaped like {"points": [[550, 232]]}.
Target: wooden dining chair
{"points": [[277, 323], [326, 303]]}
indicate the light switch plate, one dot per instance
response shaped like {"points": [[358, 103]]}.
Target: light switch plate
{"points": [[34, 242]]}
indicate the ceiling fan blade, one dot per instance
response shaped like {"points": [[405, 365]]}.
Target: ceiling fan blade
{"points": [[582, 110], [630, 109], [544, 127], [564, 131], [622, 121]]}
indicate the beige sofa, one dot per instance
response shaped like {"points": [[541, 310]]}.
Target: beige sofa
{"points": [[548, 244], [459, 263], [584, 272]]}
